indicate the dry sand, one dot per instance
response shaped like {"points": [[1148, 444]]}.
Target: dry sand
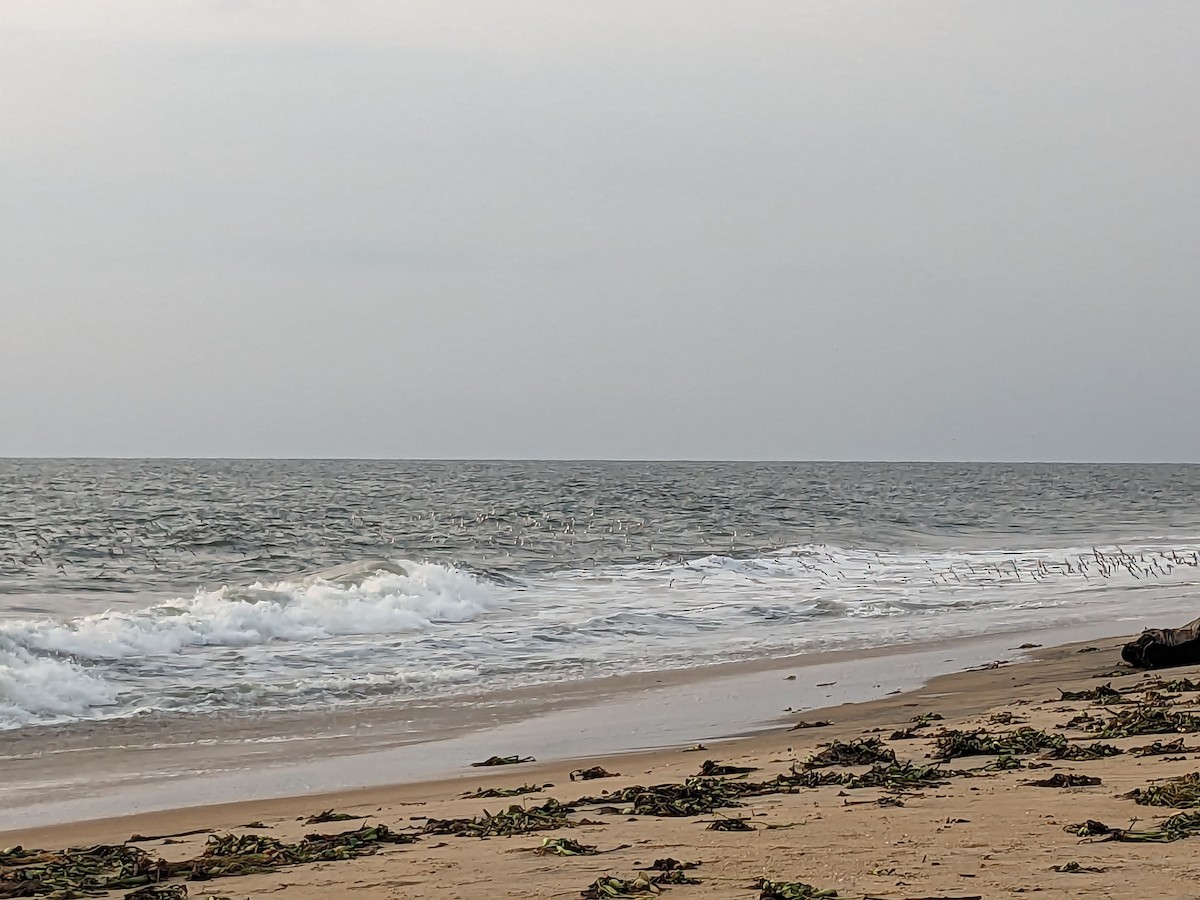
{"points": [[989, 836]]}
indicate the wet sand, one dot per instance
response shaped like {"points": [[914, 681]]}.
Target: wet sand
{"points": [[987, 836]]}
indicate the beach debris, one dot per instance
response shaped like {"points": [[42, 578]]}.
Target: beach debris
{"points": [[78, 871], [1075, 868], [799, 726], [859, 752], [790, 890], [1143, 719], [1180, 793], [492, 793], [1162, 648], [710, 768], [1004, 763], [1177, 827], [1096, 750], [517, 819], [696, 749], [730, 823], [1083, 722], [255, 825], [1088, 650], [503, 761], [159, 892], [1159, 748], [1090, 828], [330, 816], [83, 871], [592, 773], [898, 776], [142, 838], [1175, 686], [1063, 780], [953, 744], [669, 864], [1105, 693], [564, 847], [693, 797], [643, 883]]}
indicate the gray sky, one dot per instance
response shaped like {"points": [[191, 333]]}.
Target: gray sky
{"points": [[924, 230]]}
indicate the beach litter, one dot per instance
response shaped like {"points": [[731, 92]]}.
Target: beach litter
{"points": [[1075, 868]]}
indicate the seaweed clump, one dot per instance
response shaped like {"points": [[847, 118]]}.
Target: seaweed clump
{"points": [[954, 744], [692, 797], [1147, 720], [516, 819], [790, 890], [854, 753], [1080, 752], [1180, 793]]}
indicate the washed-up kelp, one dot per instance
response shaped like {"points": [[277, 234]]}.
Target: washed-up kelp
{"points": [[1147, 720], [83, 871], [1080, 752], [592, 773], [643, 883], [564, 847], [710, 768], [503, 761], [1175, 686], [1105, 693], [516, 819], [669, 864], [247, 854], [855, 753], [491, 793], [811, 778], [1169, 748], [730, 823], [898, 776], [790, 890], [330, 816], [1179, 826], [694, 797], [801, 725], [954, 744], [78, 871], [1075, 868], [1062, 780], [159, 892], [1180, 793]]}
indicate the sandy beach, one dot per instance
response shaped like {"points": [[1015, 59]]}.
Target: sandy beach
{"points": [[974, 827]]}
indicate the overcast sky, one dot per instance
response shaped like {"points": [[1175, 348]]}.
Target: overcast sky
{"points": [[793, 230]]}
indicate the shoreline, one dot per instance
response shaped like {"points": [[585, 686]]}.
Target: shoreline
{"points": [[741, 703]]}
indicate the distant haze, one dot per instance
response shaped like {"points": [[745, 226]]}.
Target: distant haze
{"points": [[736, 230]]}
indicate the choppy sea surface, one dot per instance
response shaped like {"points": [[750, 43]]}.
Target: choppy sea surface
{"points": [[156, 587]]}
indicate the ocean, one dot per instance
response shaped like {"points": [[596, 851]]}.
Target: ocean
{"points": [[146, 589]]}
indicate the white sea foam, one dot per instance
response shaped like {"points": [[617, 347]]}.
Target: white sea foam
{"points": [[379, 630]]}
